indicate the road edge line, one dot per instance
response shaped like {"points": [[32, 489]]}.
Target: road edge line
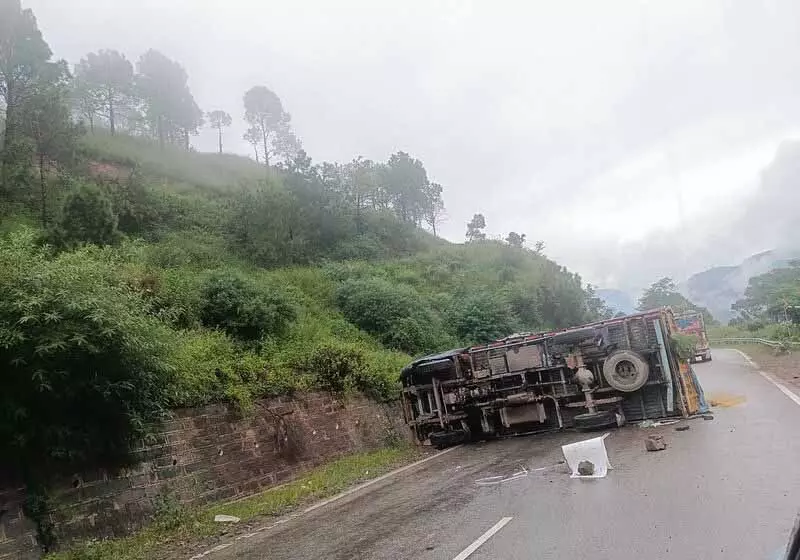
{"points": [[477, 543], [363, 485], [783, 388], [747, 358], [325, 502]]}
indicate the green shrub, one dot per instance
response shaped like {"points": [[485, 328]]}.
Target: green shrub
{"points": [[361, 247], [194, 248], [380, 378], [782, 331], [482, 317], [233, 304], [205, 362], [178, 299], [210, 367], [395, 313], [335, 366], [135, 205], [684, 345], [415, 334], [85, 368], [340, 367], [86, 217]]}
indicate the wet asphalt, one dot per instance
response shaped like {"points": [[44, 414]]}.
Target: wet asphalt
{"points": [[725, 488]]}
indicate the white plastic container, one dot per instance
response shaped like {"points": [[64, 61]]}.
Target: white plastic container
{"points": [[593, 450]]}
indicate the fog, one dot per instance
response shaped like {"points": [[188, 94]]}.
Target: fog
{"points": [[629, 136]]}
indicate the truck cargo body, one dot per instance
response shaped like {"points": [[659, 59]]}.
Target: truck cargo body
{"points": [[592, 376]]}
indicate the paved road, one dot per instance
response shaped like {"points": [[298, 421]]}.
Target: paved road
{"points": [[726, 488]]}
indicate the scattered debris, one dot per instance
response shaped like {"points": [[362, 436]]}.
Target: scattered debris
{"points": [[652, 424], [490, 480], [655, 443], [682, 428], [585, 468], [591, 451], [226, 519]]}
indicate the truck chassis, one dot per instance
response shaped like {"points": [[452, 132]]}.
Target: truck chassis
{"points": [[593, 376]]}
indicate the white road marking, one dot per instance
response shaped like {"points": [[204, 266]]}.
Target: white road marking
{"points": [[482, 539], [213, 550], [747, 358], [375, 480], [324, 502], [784, 389]]}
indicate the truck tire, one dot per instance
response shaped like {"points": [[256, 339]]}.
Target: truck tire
{"points": [[626, 371], [595, 420], [440, 440]]}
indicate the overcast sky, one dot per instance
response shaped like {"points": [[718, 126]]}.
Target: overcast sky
{"points": [[625, 134]]}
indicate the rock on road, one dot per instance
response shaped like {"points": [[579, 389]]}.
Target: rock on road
{"points": [[725, 488]]}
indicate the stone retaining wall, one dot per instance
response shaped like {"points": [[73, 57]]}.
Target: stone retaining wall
{"points": [[206, 455]]}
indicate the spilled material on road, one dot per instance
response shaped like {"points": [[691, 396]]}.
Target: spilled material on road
{"points": [[725, 400]]}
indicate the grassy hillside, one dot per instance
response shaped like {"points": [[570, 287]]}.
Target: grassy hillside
{"points": [[266, 284], [161, 279]]}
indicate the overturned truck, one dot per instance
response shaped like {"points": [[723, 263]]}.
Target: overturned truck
{"points": [[593, 376]]}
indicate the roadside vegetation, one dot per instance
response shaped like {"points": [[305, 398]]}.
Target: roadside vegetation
{"points": [[139, 275], [770, 308]]}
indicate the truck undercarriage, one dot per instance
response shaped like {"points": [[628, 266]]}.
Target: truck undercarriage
{"points": [[592, 376]]}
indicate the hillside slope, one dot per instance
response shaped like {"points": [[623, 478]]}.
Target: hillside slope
{"points": [[271, 283]]}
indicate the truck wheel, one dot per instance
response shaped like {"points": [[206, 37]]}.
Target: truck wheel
{"points": [[595, 420], [440, 440], [625, 371]]}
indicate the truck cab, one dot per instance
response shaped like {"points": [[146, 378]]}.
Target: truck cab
{"points": [[692, 323]]}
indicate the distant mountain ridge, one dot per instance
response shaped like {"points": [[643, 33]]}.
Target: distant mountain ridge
{"points": [[721, 286]]}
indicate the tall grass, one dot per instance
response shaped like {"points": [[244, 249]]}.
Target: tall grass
{"points": [[209, 170]]}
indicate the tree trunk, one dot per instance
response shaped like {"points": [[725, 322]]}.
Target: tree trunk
{"points": [[266, 150], [91, 123], [160, 127], [43, 185], [186, 139], [219, 128], [111, 118], [358, 213], [255, 149], [8, 138]]}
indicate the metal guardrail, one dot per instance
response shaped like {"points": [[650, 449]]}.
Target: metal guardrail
{"points": [[764, 341]]}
